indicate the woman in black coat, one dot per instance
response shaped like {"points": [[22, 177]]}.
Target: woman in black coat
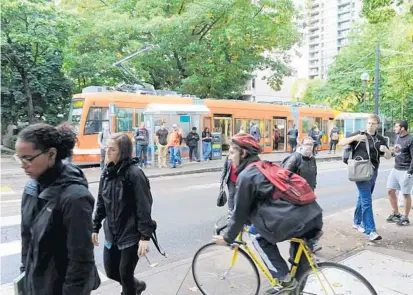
{"points": [[57, 252], [125, 202]]}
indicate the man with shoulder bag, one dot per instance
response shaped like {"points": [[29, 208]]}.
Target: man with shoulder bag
{"points": [[367, 147]]}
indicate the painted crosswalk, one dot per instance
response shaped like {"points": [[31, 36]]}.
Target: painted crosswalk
{"points": [[10, 220]]}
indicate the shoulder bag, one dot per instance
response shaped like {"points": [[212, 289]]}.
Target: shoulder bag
{"points": [[360, 169]]}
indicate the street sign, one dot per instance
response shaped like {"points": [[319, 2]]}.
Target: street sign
{"points": [[112, 109]]}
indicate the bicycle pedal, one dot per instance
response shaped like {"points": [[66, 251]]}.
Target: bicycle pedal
{"points": [[317, 249]]}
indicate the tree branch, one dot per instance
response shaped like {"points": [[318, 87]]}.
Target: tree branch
{"points": [[35, 56], [258, 12], [203, 28], [103, 2], [179, 65], [214, 22], [182, 7], [209, 28]]}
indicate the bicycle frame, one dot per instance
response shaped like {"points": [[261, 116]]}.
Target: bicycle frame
{"points": [[302, 249]]}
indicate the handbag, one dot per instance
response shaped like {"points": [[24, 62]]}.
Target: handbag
{"points": [[222, 196], [360, 169]]}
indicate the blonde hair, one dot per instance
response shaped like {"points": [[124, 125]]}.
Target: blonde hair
{"points": [[307, 138], [374, 117]]}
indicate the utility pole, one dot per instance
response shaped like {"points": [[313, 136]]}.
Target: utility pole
{"points": [[377, 79]]}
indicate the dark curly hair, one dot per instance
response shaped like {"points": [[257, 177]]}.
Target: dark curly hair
{"points": [[45, 136]]}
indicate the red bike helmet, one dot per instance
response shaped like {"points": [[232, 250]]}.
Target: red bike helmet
{"points": [[248, 142]]}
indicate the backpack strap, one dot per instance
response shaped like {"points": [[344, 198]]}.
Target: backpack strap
{"points": [[154, 237], [156, 243]]}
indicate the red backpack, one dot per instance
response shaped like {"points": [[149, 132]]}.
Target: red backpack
{"points": [[288, 186]]}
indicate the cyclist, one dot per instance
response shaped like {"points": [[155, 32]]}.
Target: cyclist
{"points": [[275, 220]]}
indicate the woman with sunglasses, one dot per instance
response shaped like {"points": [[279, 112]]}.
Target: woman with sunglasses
{"points": [[57, 208]]}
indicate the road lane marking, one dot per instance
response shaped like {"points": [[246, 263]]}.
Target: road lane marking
{"points": [[5, 189], [10, 220], [10, 248], [11, 201], [7, 289]]}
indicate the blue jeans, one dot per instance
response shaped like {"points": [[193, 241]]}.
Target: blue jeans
{"points": [[141, 154], [173, 155], [206, 148], [178, 158], [364, 208]]}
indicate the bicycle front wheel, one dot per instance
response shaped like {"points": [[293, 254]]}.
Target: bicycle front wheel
{"points": [[221, 270], [334, 278]]}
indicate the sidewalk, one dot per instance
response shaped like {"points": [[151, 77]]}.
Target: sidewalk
{"points": [[93, 174], [387, 264]]}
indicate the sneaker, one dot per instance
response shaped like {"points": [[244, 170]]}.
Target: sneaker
{"points": [[404, 220], [373, 236], [289, 285], [394, 217], [359, 227]]}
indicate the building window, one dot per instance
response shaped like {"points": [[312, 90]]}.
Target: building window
{"points": [[95, 118], [139, 117], [124, 119]]}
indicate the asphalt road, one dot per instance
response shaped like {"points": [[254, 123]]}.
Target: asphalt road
{"points": [[184, 208]]}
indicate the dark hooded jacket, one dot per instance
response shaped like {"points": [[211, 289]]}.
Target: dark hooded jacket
{"points": [[125, 202], [31, 206], [304, 166], [275, 220], [59, 256]]}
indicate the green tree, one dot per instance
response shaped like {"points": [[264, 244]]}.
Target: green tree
{"points": [[33, 84], [208, 48], [344, 88]]}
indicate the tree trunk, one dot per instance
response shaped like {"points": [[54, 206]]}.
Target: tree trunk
{"points": [[28, 94]]}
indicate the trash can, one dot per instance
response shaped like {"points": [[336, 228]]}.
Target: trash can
{"points": [[216, 153]]}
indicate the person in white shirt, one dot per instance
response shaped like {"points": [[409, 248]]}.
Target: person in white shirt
{"points": [[103, 139]]}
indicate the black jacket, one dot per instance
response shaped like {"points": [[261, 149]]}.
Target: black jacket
{"points": [[375, 141], [125, 202], [306, 167], [226, 172], [31, 206], [60, 258], [206, 134], [275, 220], [192, 139], [141, 136]]}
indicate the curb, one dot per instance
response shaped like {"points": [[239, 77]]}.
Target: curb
{"points": [[217, 169]]}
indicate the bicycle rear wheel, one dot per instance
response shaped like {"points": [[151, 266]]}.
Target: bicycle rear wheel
{"points": [[221, 270], [334, 278]]}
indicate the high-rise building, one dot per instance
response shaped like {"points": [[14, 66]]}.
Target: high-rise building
{"points": [[329, 22]]}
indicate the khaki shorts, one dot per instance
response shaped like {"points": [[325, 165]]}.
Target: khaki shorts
{"points": [[398, 180]]}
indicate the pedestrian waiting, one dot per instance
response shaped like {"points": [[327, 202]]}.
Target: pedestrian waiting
{"points": [[192, 141], [401, 176]]}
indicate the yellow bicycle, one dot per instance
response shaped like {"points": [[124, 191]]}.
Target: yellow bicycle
{"points": [[233, 269]]}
